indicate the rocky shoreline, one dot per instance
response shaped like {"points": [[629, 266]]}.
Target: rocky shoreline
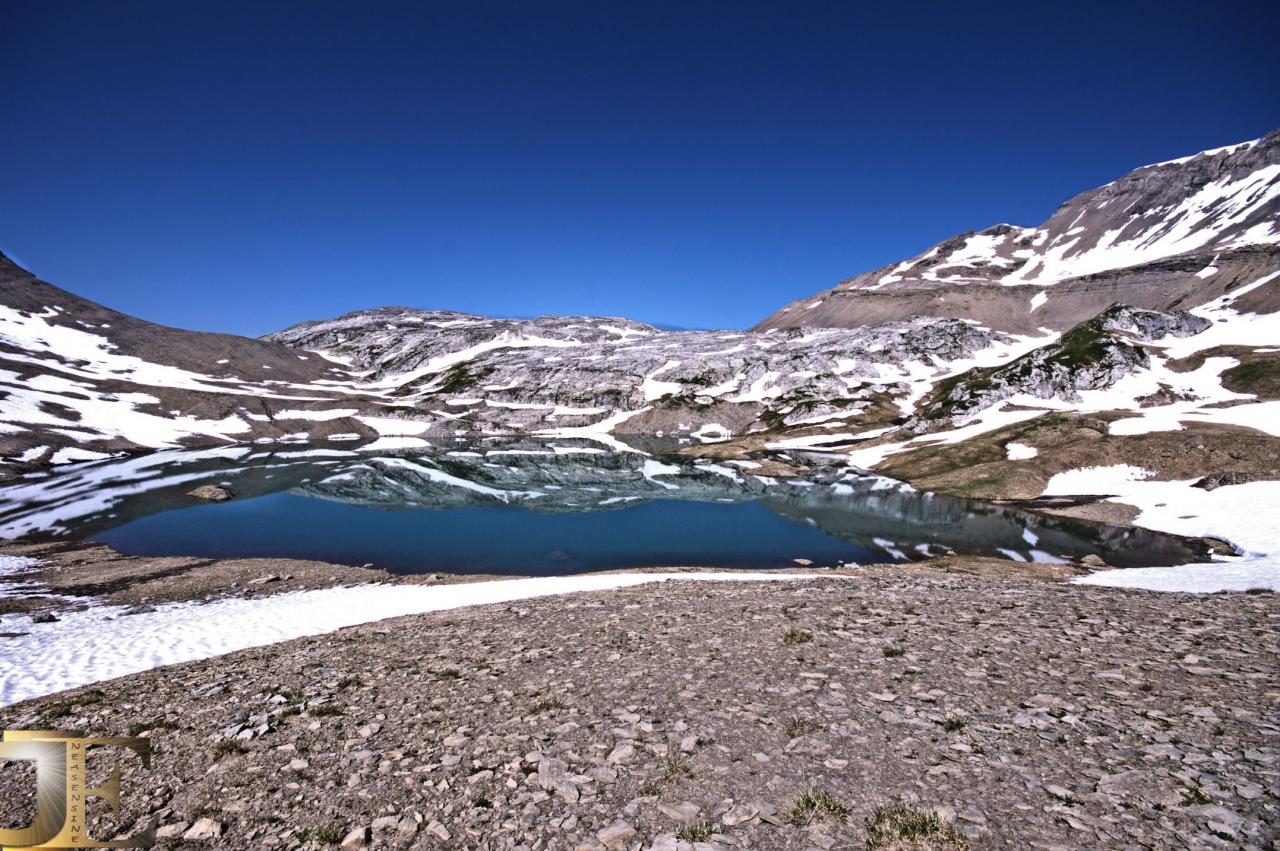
{"points": [[954, 702], [991, 708]]}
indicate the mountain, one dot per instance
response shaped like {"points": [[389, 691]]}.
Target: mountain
{"points": [[1172, 235], [79, 380], [1150, 302]]}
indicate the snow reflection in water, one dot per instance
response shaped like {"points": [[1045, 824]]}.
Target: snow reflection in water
{"points": [[529, 507]]}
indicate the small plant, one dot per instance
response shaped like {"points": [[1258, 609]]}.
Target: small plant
{"points": [[449, 674], [542, 706], [326, 834], [324, 709], [349, 682], [955, 723], [892, 825], [815, 805], [797, 727], [58, 710], [137, 728], [673, 771], [482, 803], [796, 636], [1194, 797], [694, 832], [226, 747], [893, 651]]}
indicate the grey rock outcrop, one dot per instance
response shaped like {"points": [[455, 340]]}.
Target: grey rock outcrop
{"points": [[1092, 356]]}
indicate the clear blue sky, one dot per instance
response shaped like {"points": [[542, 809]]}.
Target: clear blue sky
{"points": [[240, 167]]}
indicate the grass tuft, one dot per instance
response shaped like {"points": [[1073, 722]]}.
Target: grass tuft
{"points": [[796, 636], [694, 832], [545, 706], [226, 747], [673, 771], [815, 805], [894, 824], [325, 834], [797, 727]]}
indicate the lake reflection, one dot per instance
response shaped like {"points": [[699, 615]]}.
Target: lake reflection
{"points": [[528, 507]]}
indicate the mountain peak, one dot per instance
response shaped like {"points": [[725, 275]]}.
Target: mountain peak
{"points": [[1161, 236]]}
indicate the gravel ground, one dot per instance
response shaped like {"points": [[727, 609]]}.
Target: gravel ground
{"points": [[999, 713]]}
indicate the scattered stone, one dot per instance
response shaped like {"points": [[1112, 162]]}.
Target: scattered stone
{"points": [[213, 493], [203, 829], [1172, 747], [739, 814], [683, 812], [1213, 481], [357, 838], [621, 754], [616, 834]]}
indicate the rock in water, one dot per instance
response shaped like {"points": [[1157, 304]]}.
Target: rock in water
{"points": [[213, 493]]}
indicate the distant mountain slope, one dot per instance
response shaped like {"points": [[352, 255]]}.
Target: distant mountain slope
{"points": [[577, 374], [1172, 235], [79, 380], [958, 341]]}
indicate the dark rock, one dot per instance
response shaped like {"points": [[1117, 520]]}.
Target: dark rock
{"points": [[1234, 477]]}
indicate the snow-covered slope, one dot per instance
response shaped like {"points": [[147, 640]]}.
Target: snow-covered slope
{"points": [[1171, 235], [588, 375], [79, 381]]}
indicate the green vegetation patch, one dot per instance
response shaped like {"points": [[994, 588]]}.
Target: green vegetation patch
{"points": [[900, 826], [815, 805], [1259, 376], [796, 636]]}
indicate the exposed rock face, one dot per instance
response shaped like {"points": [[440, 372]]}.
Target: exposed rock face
{"points": [[558, 372], [1092, 356], [1170, 235]]}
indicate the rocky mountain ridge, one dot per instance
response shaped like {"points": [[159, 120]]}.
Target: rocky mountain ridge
{"points": [[974, 325], [1166, 236]]}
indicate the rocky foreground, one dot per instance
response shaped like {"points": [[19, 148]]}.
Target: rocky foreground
{"points": [[889, 710]]}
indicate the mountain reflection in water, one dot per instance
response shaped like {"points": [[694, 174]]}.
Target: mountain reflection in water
{"points": [[530, 507]]}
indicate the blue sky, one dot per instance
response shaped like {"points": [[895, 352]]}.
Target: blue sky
{"points": [[685, 163]]}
